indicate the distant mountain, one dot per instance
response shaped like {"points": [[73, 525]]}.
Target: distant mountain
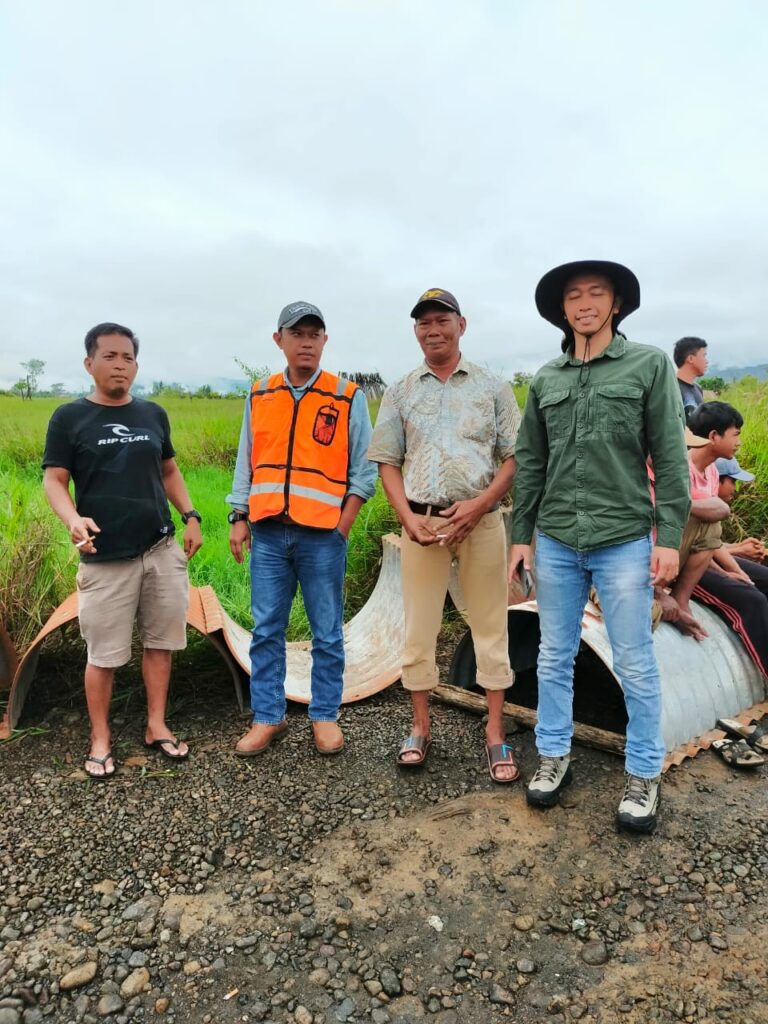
{"points": [[227, 384], [730, 373]]}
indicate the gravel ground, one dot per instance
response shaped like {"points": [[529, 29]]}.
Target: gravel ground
{"points": [[312, 890]]}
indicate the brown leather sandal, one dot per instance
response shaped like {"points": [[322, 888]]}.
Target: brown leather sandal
{"points": [[414, 745], [501, 754]]}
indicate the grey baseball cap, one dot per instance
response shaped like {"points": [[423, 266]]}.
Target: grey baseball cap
{"points": [[295, 311], [731, 467]]}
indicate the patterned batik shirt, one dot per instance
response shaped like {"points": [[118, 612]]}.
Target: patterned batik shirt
{"points": [[449, 437]]}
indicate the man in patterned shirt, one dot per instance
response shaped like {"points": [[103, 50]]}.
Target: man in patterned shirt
{"points": [[445, 443]]}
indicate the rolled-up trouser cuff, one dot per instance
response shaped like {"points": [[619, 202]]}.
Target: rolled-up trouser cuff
{"points": [[419, 684], [495, 682]]}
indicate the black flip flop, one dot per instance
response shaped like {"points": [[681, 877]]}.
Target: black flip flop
{"points": [[738, 753], [755, 735], [162, 744], [105, 775]]}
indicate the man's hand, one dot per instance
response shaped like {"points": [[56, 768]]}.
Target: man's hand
{"points": [[418, 531], [193, 538], [665, 565], [518, 554], [750, 547], [82, 529], [239, 539], [741, 576], [461, 519]]}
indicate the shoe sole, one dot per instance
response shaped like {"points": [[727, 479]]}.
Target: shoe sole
{"points": [[643, 826], [549, 799], [329, 751]]}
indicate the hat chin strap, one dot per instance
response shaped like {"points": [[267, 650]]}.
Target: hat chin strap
{"points": [[585, 366], [598, 329]]}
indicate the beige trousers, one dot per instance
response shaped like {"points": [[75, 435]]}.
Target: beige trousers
{"points": [[482, 559]]}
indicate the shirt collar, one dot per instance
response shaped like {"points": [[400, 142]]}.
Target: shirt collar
{"points": [[300, 387], [461, 367], [615, 350]]}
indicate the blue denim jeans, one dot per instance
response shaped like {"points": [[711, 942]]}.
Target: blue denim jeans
{"points": [[282, 556], [621, 573]]}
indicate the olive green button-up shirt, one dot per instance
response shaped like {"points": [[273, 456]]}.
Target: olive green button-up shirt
{"points": [[582, 448]]}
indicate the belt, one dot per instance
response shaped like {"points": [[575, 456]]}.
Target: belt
{"points": [[425, 510]]}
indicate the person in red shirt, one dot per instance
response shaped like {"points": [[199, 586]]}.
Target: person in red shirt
{"points": [[720, 424]]}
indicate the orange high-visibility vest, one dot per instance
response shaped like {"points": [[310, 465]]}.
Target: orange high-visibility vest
{"points": [[300, 453]]}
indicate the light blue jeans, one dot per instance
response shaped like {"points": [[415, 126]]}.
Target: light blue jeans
{"points": [[282, 556], [621, 573]]}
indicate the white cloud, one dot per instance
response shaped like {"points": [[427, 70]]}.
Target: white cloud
{"points": [[188, 168]]}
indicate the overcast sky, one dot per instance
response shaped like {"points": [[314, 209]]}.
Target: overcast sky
{"points": [[187, 168]]}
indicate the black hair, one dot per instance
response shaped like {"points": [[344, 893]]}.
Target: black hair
{"points": [[92, 337], [686, 347], [717, 416]]}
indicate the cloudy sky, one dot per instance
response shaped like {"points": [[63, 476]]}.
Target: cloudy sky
{"points": [[189, 167]]}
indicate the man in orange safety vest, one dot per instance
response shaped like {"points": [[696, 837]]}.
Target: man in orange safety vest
{"points": [[301, 477]]}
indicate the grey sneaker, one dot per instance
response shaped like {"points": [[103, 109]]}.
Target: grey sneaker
{"points": [[638, 807], [552, 774]]}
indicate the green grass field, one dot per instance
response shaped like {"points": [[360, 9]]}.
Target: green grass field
{"points": [[37, 560], [38, 563]]}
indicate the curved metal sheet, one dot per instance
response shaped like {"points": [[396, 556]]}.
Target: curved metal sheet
{"points": [[373, 639], [373, 642], [700, 681]]}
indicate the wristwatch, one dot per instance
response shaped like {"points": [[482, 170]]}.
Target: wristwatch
{"points": [[235, 516], [192, 514]]}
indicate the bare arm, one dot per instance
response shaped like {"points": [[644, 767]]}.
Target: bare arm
{"points": [[352, 506], [729, 565], [56, 486], [177, 494], [392, 482], [710, 510]]}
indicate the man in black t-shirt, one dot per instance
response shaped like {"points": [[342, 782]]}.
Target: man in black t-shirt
{"points": [[690, 358], [117, 451]]}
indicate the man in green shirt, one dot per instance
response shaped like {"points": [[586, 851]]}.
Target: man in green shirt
{"points": [[593, 417]]}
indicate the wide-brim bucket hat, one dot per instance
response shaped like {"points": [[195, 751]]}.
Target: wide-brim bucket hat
{"points": [[549, 290]]}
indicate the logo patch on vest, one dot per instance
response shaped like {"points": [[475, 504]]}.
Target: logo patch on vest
{"points": [[324, 428]]}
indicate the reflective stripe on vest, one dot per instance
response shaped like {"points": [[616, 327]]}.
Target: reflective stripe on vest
{"points": [[300, 454]]}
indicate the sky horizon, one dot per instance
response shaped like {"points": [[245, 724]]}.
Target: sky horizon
{"points": [[188, 170]]}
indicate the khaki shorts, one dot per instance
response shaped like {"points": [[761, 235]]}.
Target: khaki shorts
{"points": [[699, 536], [153, 588]]}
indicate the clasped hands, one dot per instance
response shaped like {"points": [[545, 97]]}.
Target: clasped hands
{"points": [[446, 528]]}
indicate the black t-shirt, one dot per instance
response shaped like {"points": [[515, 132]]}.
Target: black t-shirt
{"points": [[114, 454], [692, 396]]}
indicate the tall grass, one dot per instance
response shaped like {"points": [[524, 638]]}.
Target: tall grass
{"points": [[750, 509], [205, 432], [38, 563]]}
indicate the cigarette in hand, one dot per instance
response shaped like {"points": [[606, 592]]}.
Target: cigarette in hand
{"points": [[82, 543]]}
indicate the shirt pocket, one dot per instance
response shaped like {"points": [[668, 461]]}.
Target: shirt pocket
{"points": [[476, 420], [619, 409], [557, 413]]}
